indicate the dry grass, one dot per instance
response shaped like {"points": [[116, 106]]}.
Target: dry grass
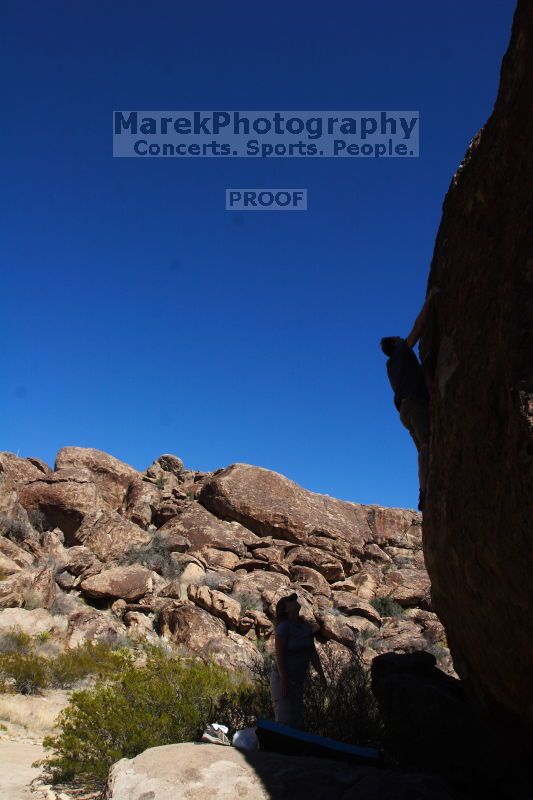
{"points": [[35, 713]]}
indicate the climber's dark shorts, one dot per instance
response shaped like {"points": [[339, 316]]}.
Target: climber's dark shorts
{"points": [[414, 414]]}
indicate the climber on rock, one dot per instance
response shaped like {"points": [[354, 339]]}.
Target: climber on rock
{"points": [[411, 396]]}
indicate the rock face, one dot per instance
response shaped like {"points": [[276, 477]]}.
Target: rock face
{"points": [[202, 559], [189, 770], [130, 583], [478, 355], [111, 476]]}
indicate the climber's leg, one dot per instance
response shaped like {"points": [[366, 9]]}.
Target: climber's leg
{"points": [[414, 414]]}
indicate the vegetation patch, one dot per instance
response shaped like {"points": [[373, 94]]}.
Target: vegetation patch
{"points": [[23, 669], [386, 607], [168, 700]]}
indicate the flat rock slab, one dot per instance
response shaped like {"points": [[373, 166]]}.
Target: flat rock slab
{"points": [[194, 771], [16, 771]]}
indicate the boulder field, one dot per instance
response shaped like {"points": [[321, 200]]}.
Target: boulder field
{"points": [[202, 558]]}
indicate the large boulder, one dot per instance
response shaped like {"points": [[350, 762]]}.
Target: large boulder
{"points": [[192, 627], [477, 351], [310, 579], [348, 603], [345, 630], [320, 560], [408, 587], [7, 566], [64, 497], [109, 536], [203, 529], [272, 505], [130, 583], [199, 632], [18, 471], [43, 589], [32, 622], [141, 501], [111, 476], [15, 589], [190, 770], [91, 625], [217, 603], [11, 551]]}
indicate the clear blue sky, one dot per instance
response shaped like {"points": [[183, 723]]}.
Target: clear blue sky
{"points": [[140, 317]]}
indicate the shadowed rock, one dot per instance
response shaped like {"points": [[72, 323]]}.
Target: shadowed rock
{"points": [[478, 355]]}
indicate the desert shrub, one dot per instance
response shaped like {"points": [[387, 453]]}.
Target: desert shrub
{"points": [[44, 636], [66, 603], [214, 579], [3, 575], [27, 673], [154, 555], [90, 658], [403, 562], [345, 710], [243, 707], [165, 701], [160, 483], [386, 607], [336, 612], [32, 599], [14, 529], [24, 670], [249, 602], [365, 634], [15, 641]]}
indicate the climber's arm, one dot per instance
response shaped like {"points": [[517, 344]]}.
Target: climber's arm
{"points": [[420, 321]]}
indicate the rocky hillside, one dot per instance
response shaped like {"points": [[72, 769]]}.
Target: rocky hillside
{"points": [[202, 559], [478, 353]]}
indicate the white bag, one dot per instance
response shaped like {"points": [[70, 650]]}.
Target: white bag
{"points": [[245, 739]]}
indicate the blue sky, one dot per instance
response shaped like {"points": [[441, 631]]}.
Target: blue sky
{"points": [[140, 317]]}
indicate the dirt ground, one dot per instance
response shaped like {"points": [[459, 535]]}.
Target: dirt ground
{"points": [[16, 772], [24, 721]]}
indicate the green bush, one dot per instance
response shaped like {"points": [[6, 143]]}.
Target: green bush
{"points": [[167, 700], [242, 707], [171, 700], [15, 641], [27, 673], [387, 607], [91, 658]]}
